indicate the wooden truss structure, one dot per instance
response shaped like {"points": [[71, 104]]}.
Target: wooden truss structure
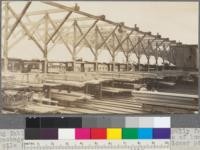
{"points": [[82, 30]]}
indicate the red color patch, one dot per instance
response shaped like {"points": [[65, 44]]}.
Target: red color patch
{"points": [[98, 133]]}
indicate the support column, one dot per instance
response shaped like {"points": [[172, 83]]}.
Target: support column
{"points": [[149, 54], [5, 54], [156, 56], [127, 62], [96, 64], [139, 63], [164, 52], [96, 51], [148, 69], [113, 63], [46, 45], [74, 46], [163, 64], [156, 63], [113, 53], [127, 55]]}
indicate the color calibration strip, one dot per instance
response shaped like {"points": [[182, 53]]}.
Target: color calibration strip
{"points": [[97, 133], [98, 122], [84, 128]]}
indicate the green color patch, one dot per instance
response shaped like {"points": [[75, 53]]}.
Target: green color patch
{"points": [[129, 133]]}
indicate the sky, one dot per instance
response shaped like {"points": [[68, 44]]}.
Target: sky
{"points": [[175, 20]]}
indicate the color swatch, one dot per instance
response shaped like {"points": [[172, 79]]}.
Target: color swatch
{"points": [[82, 133], [98, 122], [66, 134], [145, 133], [114, 133], [95, 128], [98, 133], [161, 133], [129, 133]]}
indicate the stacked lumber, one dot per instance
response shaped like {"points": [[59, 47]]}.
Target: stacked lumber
{"points": [[70, 76], [67, 83], [116, 90], [43, 100], [121, 105], [65, 99], [37, 108], [14, 99], [167, 102]]}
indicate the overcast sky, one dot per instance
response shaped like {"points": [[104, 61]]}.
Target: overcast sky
{"points": [[176, 20]]}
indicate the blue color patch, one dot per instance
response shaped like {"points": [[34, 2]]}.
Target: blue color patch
{"points": [[145, 133]]}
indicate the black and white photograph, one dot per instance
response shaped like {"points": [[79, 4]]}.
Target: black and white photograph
{"points": [[98, 57]]}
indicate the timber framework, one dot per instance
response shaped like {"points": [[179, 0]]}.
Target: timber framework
{"points": [[77, 30]]}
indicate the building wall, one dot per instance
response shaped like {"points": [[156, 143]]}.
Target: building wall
{"points": [[186, 57]]}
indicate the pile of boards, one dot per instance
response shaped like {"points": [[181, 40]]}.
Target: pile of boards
{"points": [[66, 99], [14, 99], [166, 102]]}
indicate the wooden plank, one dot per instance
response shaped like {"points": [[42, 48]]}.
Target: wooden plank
{"points": [[149, 99], [110, 108], [166, 94], [115, 90], [67, 83], [84, 110], [169, 105], [39, 108], [118, 105]]}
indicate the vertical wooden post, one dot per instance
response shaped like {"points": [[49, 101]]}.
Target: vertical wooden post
{"points": [[148, 56], [46, 45], [127, 56], [127, 62], [113, 63], [5, 54], [139, 54], [96, 51], [138, 63], [113, 53], [156, 56], [148, 69], [74, 46], [164, 51]]}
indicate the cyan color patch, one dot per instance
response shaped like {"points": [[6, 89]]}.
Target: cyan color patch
{"points": [[145, 133]]}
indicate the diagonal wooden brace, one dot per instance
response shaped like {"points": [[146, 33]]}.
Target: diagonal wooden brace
{"points": [[19, 19], [26, 30]]}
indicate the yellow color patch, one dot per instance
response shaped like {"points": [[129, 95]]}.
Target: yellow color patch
{"points": [[114, 133]]}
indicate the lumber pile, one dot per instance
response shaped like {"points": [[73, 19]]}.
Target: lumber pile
{"points": [[65, 99], [37, 108], [112, 91], [70, 76], [67, 83], [115, 90], [14, 99], [41, 99], [166, 102]]}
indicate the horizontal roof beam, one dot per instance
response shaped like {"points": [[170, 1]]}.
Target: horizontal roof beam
{"points": [[102, 17]]}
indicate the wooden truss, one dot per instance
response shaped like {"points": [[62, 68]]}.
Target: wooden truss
{"points": [[99, 33]]}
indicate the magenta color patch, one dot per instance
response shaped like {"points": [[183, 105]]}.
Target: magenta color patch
{"points": [[82, 133]]}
